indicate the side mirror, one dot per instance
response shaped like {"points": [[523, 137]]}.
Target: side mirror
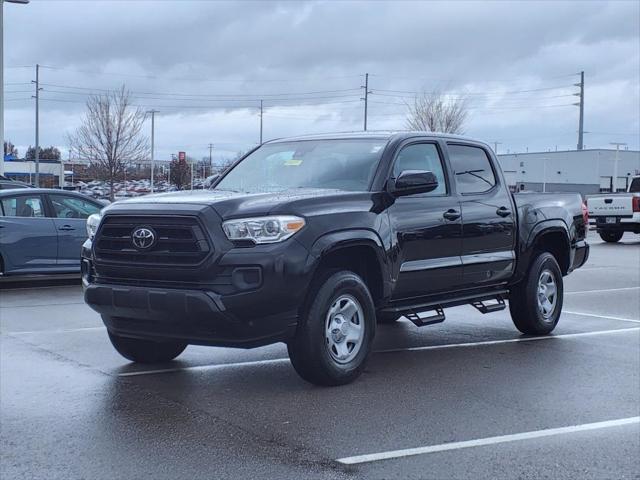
{"points": [[210, 180], [410, 182]]}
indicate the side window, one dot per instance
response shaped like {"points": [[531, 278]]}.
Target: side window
{"points": [[72, 207], [422, 156], [472, 169], [23, 206]]}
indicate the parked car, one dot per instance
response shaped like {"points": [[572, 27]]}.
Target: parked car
{"points": [[42, 230], [616, 213], [310, 240], [7, 184]]}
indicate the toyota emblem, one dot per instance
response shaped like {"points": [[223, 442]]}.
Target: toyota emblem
{"points": [[143, 238]]}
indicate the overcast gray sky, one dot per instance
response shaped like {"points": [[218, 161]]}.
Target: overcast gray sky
{"points": [[206, 64]]}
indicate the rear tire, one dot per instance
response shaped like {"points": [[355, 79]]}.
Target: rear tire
{"points": [[146, 351], [334, 337], [611, 237], [536, 302]]}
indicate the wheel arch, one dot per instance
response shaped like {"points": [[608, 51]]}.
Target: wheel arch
{"points": [[550, 236], [358, 250]]}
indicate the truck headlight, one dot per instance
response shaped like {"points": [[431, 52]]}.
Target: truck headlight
{"points": [[93, 221], [270, 229]]}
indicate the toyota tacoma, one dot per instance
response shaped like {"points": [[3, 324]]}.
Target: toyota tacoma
{"points": [[313, 240]]}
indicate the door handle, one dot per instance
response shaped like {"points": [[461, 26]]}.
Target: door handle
{"points": [[451, 214], [66, 228], [503, 212]]}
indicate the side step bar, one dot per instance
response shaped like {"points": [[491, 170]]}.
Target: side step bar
{"points": [[423, 321], [483, 307], [480, 302]]}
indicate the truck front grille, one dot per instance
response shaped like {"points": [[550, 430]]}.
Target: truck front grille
{"points": [[179, 241]]}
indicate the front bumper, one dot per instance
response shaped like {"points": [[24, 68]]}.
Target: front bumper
{"points": [[257, 303], [195, 316]]}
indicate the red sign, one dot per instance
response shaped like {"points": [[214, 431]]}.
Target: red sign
{"points": [[182, 156]]}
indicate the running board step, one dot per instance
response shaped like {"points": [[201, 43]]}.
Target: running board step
{"points": [[418, 321], [483, 307]]}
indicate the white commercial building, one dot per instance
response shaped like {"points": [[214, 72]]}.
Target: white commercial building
{"points": [[584, 171]]}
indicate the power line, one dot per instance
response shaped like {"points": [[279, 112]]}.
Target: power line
{"points": [[199, 95]]}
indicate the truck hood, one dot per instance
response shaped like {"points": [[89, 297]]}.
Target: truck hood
{"points": [[231, 204]]}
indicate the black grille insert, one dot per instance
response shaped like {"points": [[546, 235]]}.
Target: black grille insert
{"points": [[180, 241]]}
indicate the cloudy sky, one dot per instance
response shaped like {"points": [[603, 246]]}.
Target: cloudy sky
{"points": [[205, 65]]}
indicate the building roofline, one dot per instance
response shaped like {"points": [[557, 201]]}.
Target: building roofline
{"points": [[568, 151]]}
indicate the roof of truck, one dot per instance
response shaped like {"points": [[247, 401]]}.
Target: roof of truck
{"points": [[382, 134]]}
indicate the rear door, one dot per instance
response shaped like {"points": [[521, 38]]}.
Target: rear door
{"points": [[488, 219], [70, 217], [28, 239], [426, 227]]}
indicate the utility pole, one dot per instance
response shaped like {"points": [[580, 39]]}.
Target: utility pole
{"points": [[581, 105], [261, 112], [495, 146], [366, 98], [37, 97], [210, 157], [614, 185], [2, 77], [153, 128]]}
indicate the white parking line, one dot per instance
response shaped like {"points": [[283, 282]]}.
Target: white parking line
{"points": [[408, 349], [608, 317], [204, 367], [603, 290], [509, 340], [373, 457], [69, 330]]}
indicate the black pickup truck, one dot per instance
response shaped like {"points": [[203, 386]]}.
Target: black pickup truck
{"points": [[313, 240]]}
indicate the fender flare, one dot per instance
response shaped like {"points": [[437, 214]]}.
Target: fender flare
{"points": [[337, 240], [539, 229]]}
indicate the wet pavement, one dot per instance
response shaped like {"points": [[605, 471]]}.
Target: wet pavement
{"points": [[71, 407]]}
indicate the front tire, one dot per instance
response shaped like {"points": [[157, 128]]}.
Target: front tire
{"points": [[336, 331], [536, 302], [146, 351], [611, 237]]}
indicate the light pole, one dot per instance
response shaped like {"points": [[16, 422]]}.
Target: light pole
{"points": [[2, 77], [153, 128]]}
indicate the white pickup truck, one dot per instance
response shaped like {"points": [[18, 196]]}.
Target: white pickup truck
{"points": [[615, 213]]}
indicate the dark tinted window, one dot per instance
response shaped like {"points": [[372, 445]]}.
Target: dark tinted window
{"points": [[72, 207], [472, 169], [635, 185], [23, 206], [422, 156]]}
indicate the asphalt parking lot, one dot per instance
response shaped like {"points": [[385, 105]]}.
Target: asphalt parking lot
{"points": [[469, 398]]}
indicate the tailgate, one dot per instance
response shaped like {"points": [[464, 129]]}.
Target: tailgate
{"points": [[610, 205]]}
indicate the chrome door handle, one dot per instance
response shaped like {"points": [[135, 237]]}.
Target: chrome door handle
{"points": [[451, 214], [503, 212]]}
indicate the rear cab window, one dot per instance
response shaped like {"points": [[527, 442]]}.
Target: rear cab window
{"points": [[472, 169]]}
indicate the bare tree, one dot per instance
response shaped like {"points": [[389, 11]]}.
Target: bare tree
{"points": [[110, 135], [180, 174], [436, 112]]}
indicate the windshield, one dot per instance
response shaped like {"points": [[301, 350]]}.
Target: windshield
{"points": [[330, 164]]}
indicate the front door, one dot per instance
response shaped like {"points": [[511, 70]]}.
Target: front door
{"points": [[28, 239], [426, 228], [488, 232], [70, 217]]}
